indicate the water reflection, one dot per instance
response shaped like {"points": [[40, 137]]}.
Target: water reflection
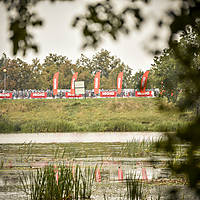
{"points": [[115, 162]]}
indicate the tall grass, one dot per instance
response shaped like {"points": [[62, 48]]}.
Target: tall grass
{"points": [[25, 152], [47, 126], [135, 188], [46, 184], [134, 148], [9, 127], [42, 126], [61, 115]]}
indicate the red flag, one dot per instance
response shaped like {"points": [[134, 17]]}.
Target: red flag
{"points": [[74, 78], [144, 81], [55, 83], [98, 175], [120, 174], [144, 174], [119, 82], [97, 83]]}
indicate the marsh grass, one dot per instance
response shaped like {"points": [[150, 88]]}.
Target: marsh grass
{"points": [[64, 115], [47, 126], [25, 152], [43, 183], [31, 152], [135, 188], [139, 149]]}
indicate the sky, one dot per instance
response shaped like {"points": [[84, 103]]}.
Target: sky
{"points": [[57, 35]]}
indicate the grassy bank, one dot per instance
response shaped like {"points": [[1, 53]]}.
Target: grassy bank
{"points": [[67, 115]]}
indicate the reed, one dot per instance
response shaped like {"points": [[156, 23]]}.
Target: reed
{"points": [[138, 149], [87, 177], [47, 126], [135, 188], [61, 183]]}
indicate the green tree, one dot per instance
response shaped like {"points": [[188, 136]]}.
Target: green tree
{"points": [[52, 64], [86, 71], [165, 74], [35, 81], [136, 79], [18, 74], [108, 65]]}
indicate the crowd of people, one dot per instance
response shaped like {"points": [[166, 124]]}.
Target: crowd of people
{"points": [[26, 94]]}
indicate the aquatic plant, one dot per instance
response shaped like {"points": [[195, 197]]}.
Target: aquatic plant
{"points": [[25, 152], [135, 187], [87, 177], [59, 183], [136, 148]]}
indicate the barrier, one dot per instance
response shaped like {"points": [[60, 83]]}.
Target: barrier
{"points": [[143, 94], [108, 94], [6, 95], [35, 95], [69, 95], [48, 94]]}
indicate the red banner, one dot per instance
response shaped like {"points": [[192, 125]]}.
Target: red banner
{"points": [[35, 95], [74, 78], [6, 95], [55, 83], [69, 95], [143, 94], [108, 94], [96, 83], [144, 81], [119, 82]]}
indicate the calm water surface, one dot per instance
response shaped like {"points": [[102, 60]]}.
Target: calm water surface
{"points": [[79, 137], [25, 152]]}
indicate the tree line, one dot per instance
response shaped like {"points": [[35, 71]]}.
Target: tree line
{"points": [[175, 71], [21, 75]]}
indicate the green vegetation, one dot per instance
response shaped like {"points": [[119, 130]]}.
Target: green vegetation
{"points": [[90, 115], [134, 188], [66, 183], [58, 183], [39, 75]]}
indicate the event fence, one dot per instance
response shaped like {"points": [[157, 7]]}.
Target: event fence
{"points": [[62, 93]]}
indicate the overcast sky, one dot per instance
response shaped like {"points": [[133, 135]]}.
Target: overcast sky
{"points": [[57, 35]]}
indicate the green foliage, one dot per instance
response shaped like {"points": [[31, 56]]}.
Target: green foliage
{"points": [[109, 21], [186, 55], [136, 79], [108, 65], [21, 75], [189, 137], [165, 75], [21, 20]]}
